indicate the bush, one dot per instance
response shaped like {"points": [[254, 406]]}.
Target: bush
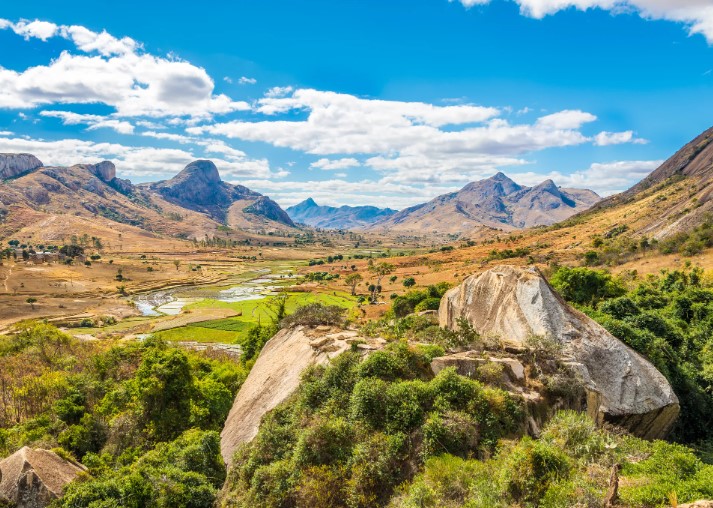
{"points": [[428, 304], [315, 314], [532, 468], [585, 286]]}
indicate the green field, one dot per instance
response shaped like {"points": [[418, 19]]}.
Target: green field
{"points": [[232, 330]]}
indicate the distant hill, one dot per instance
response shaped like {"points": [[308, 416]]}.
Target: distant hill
{"points": [[199, 187], [495, 202], [90, 198], [689, 203], [330, 217]]}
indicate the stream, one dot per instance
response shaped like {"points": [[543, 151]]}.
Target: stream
{"points": [[172, 301]]}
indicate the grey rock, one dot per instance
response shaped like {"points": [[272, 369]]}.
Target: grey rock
{"points": [[277, 374], [515, 304], [16, 164], [467, 363], [104, 170], [32, 478], [199, 187]]}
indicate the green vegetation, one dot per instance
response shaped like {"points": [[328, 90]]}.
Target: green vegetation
{"points": [[142, 416], [357, 429], [568, 466], [416, 301], [667, 318], [252, 313]]}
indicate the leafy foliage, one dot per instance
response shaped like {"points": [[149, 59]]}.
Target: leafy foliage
{"points": [[667, 318], [142, 416], [356, 429]]}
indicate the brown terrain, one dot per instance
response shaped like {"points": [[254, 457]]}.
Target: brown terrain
{"points": [[673, 199]]}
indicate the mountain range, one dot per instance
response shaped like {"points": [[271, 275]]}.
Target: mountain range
{"points": [[331, 217], [496, 202], [56, 201]]}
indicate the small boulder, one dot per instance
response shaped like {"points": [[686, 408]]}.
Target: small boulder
{"points": [[32, 478], [514, 304]]}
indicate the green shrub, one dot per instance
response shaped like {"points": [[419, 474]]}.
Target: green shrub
{"points": [[532, 468], [315, 314]]}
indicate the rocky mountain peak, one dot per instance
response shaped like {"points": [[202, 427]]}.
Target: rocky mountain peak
{"points": [[15, 164], [104, 170], [547, 186], [203, 171]]}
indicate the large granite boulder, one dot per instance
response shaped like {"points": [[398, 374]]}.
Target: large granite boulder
{"points": [[16, 164], [32, 478], [277, 374], [515, 304]]}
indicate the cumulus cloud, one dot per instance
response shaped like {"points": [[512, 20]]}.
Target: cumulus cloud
{"points": [[335, 164], [616, 138], [411, 141], [37, 29], [144, 163], [93, 121], [244, 80], [605, 178], [697, 15], [110, 71], [337, 192]]}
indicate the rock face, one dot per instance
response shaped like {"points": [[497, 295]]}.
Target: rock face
{"points": [[275, 376], [199, 187], [514, 304], [495, 202], [330, 217], [15, 164], [104, 170], [32, 478]]}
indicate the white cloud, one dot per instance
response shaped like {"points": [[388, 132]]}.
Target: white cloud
{"points": [[604, 178], [616, 138], [144, 163], [93, 121], [114, 72], [567, 119], [244, 80], [227, 79], [42, 30], [278, 91], [337, 192], [103, 43], [407, 140], [331, 164], [179, 138], [697, 15]]}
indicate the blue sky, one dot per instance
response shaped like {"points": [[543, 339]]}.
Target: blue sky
{"points": [[359, 102]]}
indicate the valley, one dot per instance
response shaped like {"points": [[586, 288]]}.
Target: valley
{"points": [[307, 333]]}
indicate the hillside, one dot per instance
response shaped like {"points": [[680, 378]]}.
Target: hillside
{"points": [[331, 217], [51, 203], [495, 202]]}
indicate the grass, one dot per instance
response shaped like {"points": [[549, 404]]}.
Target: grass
{"points": [[251, 312], [198, 334]]}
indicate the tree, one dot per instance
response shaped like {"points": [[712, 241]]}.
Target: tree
{"points": [[32, 301], [177, 263], [409, 282], [393, 279], [352, 280], [380, 270]]}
